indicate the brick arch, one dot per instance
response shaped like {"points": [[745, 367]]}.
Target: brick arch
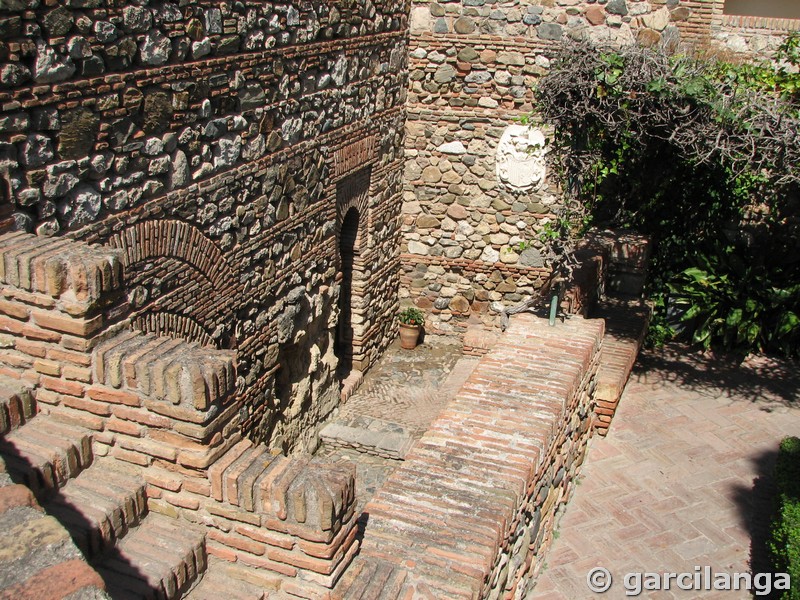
{"points": [[353, 192], [352, 228], [196, 285], [166, 323], [175, 239]]}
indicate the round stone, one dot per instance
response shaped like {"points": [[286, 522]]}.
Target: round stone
{"points": [[464, 25]]}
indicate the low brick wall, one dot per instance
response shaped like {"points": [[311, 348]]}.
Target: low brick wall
{"points": [[471, 511]]}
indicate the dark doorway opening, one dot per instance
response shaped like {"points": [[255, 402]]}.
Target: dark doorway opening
{"points": [[344, 330]]}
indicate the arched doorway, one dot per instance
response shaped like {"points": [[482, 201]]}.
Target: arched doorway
{"points": [[347, 252]]}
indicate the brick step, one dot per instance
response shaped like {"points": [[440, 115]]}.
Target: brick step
{"points": [[159, 560], [37, 557], [369, 435], [231, 580], [296, 489], [17, 405], [173, 372], [45, 454], [371, 578], [626, 321], [100, 505]]}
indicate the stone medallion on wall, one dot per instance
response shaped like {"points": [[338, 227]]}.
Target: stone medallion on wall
{"points": [[520, 159]]}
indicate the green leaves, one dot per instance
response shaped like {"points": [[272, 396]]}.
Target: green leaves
{"points": [[411, 316], [785, 532], [702, 155], [731, 301]]}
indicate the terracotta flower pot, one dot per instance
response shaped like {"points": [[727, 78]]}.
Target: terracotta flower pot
{"points": [[409, 335]]}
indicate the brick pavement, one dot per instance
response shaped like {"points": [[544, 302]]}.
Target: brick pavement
{"points": [[683, 477], [398, 399]]}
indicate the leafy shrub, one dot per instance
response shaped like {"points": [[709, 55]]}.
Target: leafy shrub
{"points": [[738, 302], [785, 542], [703, 155], [412, 316]]}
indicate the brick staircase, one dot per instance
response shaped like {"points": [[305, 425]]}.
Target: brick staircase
{"points": [[100, 504], [132, 446], [37, 557]]}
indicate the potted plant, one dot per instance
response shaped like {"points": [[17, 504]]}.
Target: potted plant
{"points": [[411, 321]]}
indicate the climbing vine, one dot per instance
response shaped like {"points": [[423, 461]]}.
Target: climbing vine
{"points": [[703, 154]]}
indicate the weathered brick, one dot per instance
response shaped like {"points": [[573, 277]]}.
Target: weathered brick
{"points": [[140, 416], [73, 388], [105, 394], [66, 324], [15, 496], [126, 427], [182, 500], [61, 355], [14, 309], [153, 449], [96, 408], [82, 374], [266, 537], [10, 325], [47, 367], [36, 333], [217, 470], [70, 577], [237, 542]]}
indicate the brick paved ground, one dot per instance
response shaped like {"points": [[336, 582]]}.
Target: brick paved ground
{"points": [[683, 477], [404, 386], [403, 392]]}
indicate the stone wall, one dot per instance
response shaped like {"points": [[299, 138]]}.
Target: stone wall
{"points": [[470, 226], [211, 143]]}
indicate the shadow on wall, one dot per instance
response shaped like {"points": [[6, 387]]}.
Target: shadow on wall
{"points": [[758, 378]]}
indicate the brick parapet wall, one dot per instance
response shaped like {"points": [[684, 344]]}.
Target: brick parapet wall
{"points": [[59, 299], [294, 516], [495, 484]]}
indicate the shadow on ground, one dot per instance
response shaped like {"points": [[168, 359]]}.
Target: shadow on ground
{"points": [[757, 506], [756, 378]]}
